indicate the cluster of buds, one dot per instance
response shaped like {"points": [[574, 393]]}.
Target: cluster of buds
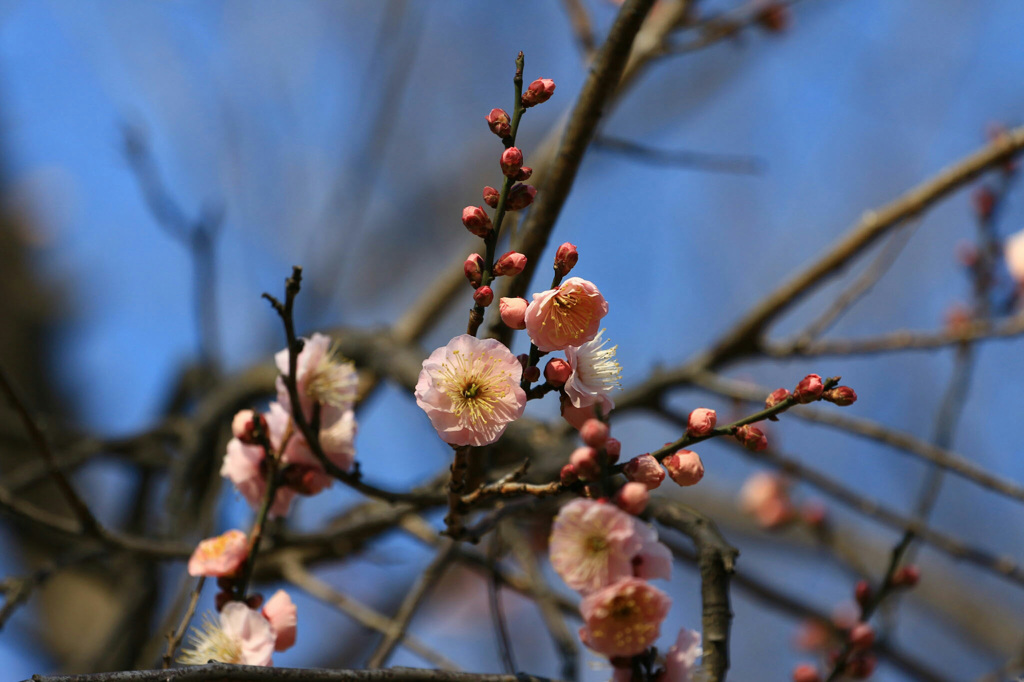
{"points": [[858, 635]]}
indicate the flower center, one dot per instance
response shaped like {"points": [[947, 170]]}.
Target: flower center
{"points": [[332, 382], [474, 385], [569, 316], [210, 643], [597, 544]]}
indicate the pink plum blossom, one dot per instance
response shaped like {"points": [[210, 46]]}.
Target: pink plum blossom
{"points": [[595, 374], [624, 618], [240, 635], [654, 560], [321, 377], [243, 466], [765, 496], [593, 544], [221, 556], [681, 659], [470, 390], [280, 611], [569, 315]]}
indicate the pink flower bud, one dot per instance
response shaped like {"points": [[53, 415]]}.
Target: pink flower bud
{"points": [[473, 267], [483, 296], [752, 438], [840, 395], [614, 448], [513, 312], [809, 389], [557, 372], [594, 433], [524, 174], [585, 462], [538, 92], [491, 196], [862, 636], [476, 221], [499, 122], [984, 200], [632, 498], [243, 426], [531, 373], [511, 162], [568, 475], [511, 263], [907, 576], [805, 672], [644, 469], [702, 422], [520, 196], [565, 259], [685, 467]]}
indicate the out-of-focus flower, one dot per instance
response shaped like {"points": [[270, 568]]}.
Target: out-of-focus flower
{"points": [[569, 315], [239, 635], [520, 196], [282, 615], [681, 659], [632, 498], [576, 416], [624, 618], [221, 556], [654, 560], [243, 465], [321, 376], [594, 433], [595, 373], [470, 390], [1013, 253], [766, 497], [593, 544]]}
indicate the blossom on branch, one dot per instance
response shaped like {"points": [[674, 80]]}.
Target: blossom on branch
{"points": [[593, 544], [595, 373], [240, 635], [470, 390], [569, 315], [220, 556], [681, 659], [624, 618], [321, 376], [282, 615]]}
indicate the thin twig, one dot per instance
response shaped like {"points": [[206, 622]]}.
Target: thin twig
{"points": [[174, 638], [223, 672]]}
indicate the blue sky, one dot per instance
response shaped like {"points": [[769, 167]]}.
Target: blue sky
{"points": [[267, 108]]}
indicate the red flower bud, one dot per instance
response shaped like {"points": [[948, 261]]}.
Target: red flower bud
{"points": [[524, 174], [511, 263], [483, 296], [565, 259], [774, 17], [531, 373], [752, 438], [557, 372], [862, 593], [840, 395], [473, 267], [491, 196], [499, 122], [809, 389], [805, 672], [862, 636], [984, 200], [476, 221], [907, 576], [586, 464], [614, 448], [520, 196], [568, 475], [511, 162], [538, 92]]}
